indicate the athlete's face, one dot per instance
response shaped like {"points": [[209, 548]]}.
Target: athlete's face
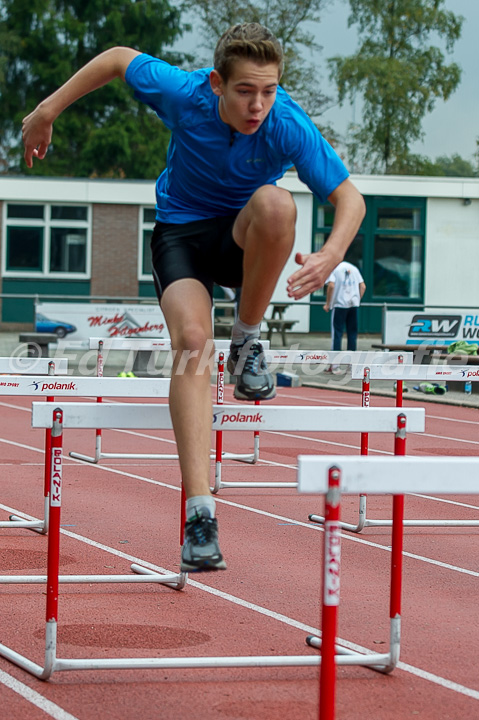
{"points": [[246, 98]]}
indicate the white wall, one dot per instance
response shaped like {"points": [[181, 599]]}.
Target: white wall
{"points": [[452, 253], [304, 223]]}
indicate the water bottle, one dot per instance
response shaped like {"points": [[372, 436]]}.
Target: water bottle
{"points": [[468, 387]]}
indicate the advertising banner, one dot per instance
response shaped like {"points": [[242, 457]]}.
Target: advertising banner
{"points": [[431, 327], [80, 321]]}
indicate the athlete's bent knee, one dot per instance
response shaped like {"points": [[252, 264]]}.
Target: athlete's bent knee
{"points": [[274, 206]]}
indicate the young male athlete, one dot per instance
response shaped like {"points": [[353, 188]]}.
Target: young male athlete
{"points": [[220, 218]]}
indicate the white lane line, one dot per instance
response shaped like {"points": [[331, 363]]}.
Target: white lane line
{"points": [[317, 401], [16, 407], [446, 437], [323, 442], [291, 622], [448, 502], [47, 706], [453, 420]]}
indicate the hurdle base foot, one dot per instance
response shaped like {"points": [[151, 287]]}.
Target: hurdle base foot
{"points": [[37, 526], [378, 662], [343, 525], [84, 458], [177, 581]]}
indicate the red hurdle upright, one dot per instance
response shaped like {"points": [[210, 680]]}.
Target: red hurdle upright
{"points": [[331, 590], [331, 583]]}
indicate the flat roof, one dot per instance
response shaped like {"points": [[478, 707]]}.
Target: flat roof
{"points": [[142, 192]]}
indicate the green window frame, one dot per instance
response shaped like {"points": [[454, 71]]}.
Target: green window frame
{"points": [[398, 249], [389, 248]]}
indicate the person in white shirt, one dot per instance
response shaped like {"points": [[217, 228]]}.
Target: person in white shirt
{"points": [[345, 288]]}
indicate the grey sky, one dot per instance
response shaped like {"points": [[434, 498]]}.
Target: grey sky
{"points": [[453, 126]]}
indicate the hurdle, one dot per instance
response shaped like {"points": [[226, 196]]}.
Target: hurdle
{"points": [[35, 386], [334, 476], [289, 358], [35, 366], [149, 346], [153, 416], [402, 373]]}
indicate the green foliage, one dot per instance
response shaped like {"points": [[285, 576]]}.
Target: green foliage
{"points": [[287, 21], [398, 75], [107, 133], [443, 166]]}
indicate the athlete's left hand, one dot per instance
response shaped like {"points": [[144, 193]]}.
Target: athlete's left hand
{"points": [[315, 270]]}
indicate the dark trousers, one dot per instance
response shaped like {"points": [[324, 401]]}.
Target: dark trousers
{"points": [[344, 318]]}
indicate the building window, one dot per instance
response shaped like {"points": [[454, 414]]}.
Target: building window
{"points": [[47, 240], [146, 225], [388, 249], [398, 250]]}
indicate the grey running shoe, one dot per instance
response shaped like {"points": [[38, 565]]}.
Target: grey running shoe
{"points": [[201, 551], [247, 363]]}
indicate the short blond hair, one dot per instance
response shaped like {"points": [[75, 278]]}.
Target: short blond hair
{"points": [[248, 41]]}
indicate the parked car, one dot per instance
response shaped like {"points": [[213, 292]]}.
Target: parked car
{"points": [[46, 325]]}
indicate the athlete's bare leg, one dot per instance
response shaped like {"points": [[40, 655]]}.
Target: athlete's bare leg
{"points": [[186, 305]]}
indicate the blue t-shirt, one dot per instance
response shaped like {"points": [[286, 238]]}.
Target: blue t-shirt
{"points": [[210, 171]]}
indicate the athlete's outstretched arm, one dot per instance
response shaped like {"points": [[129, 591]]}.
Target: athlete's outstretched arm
{"points": [[316, 267], [37, 127]]}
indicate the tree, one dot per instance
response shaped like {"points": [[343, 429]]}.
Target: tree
{"points": [[397, 73], [287, 21], [443, 166], [107, 133]]}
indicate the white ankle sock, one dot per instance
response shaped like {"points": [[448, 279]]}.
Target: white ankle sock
{"points": [[197, 503], [241, 331]]}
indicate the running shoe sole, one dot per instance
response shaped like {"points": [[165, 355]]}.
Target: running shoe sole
{"points": [[206, 566]]}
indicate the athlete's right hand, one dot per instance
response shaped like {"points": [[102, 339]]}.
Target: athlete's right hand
{"points": [[37, 134]]}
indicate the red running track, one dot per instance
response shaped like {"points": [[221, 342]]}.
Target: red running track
{"points": [[267, 601]]}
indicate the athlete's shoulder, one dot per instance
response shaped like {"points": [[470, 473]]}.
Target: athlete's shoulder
{"points": [[285, 110], [289, 127], [147, 69], [178, 96]]}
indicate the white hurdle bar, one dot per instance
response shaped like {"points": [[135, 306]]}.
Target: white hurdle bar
{"points": [[49, 387], [91, 415], [153, 416], [280, 358], [33, 366], [400, 373], [334, 476]]}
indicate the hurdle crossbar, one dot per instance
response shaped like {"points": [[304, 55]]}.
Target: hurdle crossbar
{"points": [[69, 415], [230, 417], [440, 373], [333, 476], [33, 366]]}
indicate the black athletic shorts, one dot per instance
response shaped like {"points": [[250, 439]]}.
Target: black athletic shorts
{"points": [[202, 249]]}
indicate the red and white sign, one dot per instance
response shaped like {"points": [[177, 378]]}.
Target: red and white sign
{"points": [[80, 321]]}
